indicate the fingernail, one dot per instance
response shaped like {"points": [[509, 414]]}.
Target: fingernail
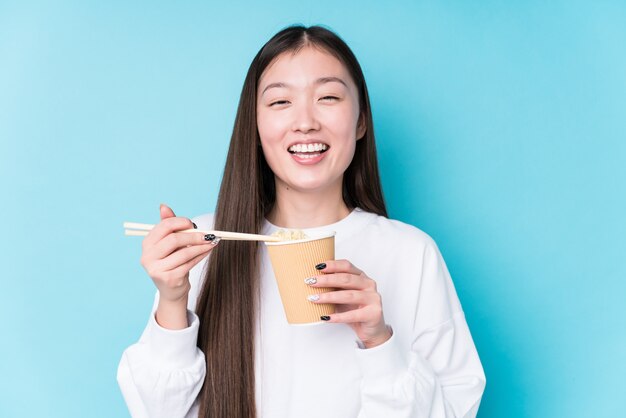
{"points": [[209, 237], [321, 266], [325, 318], [313, 298], [194, 225], [310, 280], [216, 241]]}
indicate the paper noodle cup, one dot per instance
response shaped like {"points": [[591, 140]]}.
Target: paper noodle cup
{"points": [[294, 261]]}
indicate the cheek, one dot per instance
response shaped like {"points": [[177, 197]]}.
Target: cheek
{"points": [[343, 122], [264, 129], [270, 128], [270, 134]]}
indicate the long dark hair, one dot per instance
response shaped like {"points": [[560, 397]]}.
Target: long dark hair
{"points": [[228, 300]]}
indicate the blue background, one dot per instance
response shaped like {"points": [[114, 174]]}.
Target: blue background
{"points": [[501, 128]]}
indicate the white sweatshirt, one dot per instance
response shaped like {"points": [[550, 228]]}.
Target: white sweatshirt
{"points": [[429, 367]]}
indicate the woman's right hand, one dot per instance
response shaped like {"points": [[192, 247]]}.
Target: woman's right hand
{"points": [[167, 256]]}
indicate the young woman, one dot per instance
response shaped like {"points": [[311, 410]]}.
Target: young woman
{"points": [[302, 155]]}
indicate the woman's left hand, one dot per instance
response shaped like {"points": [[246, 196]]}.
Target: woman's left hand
{"points": [[358, 302]]}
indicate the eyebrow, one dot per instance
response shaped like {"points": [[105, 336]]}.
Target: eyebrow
{"points": [[321, 80]]}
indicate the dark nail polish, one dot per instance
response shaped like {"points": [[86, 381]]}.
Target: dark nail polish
{"points": [[325, 318], [194, 225], [209, 237], [321, 266]]}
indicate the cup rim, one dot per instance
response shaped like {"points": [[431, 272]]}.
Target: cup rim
{"points": [[299, 241]]}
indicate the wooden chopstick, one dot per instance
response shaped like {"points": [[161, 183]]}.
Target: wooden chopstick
{"points": [[139, 229]]}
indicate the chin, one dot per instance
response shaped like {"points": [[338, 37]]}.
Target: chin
{"points": [[312, 185], [306, 186]]}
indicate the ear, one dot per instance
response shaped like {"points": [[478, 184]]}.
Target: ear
{"points": [[361, 127]]}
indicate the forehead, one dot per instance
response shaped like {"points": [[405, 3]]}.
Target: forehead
{"points": [[301, 68]]}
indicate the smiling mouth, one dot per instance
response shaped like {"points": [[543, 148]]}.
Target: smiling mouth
{"points": [[308, 150]]}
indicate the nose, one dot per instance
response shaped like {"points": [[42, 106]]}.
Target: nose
{"points": [[305, 119]]}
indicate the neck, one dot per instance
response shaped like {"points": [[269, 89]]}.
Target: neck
{"points": [[300, 209]]}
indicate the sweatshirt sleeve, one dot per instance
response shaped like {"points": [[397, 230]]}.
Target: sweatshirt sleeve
{"points": [[162, 374], [436, 371]]}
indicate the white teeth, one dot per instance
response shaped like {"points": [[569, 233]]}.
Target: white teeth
{"points": [[308, 147]]}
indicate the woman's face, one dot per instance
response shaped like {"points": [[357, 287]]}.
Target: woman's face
{"points": [[308, 119]]}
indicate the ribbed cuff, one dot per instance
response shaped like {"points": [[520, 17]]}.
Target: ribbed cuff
{"points": [[382, 360], [174, 349]]}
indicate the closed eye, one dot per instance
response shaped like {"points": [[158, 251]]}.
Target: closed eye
{"points": [[329, 98], [279, 102]]}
